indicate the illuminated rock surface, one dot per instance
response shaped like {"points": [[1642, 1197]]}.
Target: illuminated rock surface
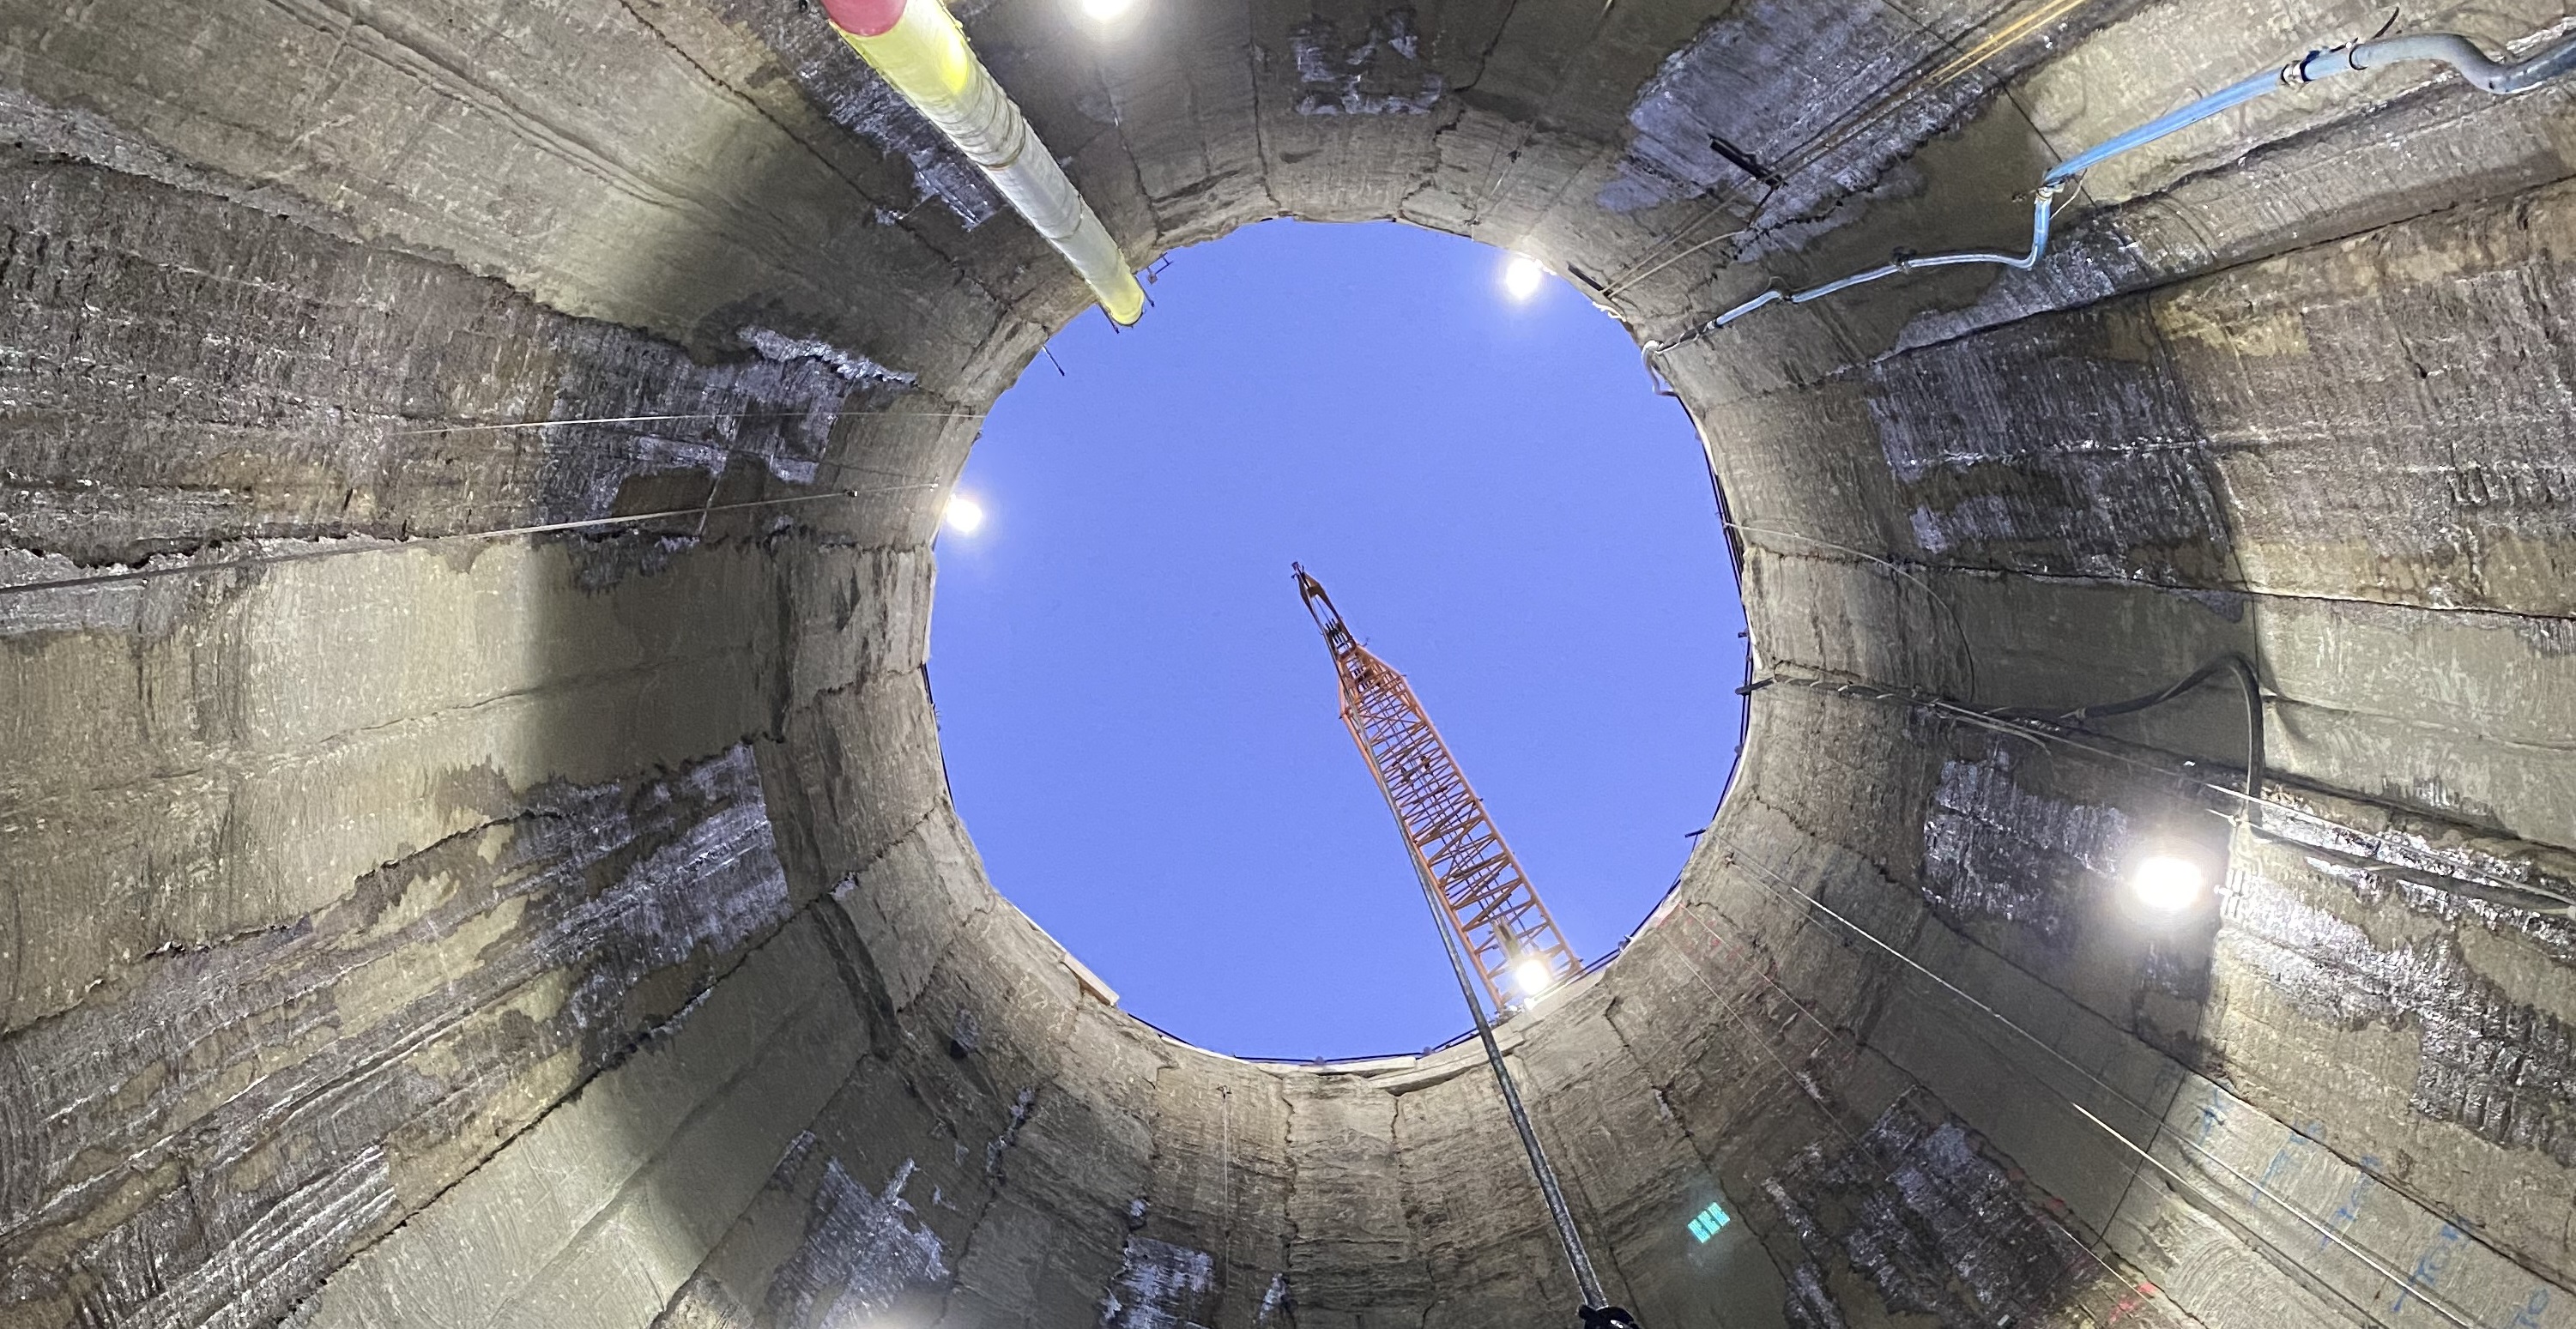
{"points": [[572, 929]]}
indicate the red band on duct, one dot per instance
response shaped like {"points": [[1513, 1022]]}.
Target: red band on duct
{"points": [[863, 18]]}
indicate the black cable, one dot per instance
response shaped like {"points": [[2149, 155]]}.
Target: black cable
{"points": [[2510, 896], [2050, 725], [2238, 664]]}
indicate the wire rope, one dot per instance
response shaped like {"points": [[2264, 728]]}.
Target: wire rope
{"points": [[509, 425], [2255, 810], [1787, 892], [1967, 652], [1831, 1035], [361, 545]]}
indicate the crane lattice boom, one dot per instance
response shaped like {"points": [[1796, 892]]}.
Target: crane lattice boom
{"points": [[1455, 846]]}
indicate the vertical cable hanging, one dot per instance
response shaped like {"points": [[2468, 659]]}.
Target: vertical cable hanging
{"points": [[1484, 908]]}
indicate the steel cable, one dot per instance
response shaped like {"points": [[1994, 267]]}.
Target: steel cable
{"points": [[365, 545]]}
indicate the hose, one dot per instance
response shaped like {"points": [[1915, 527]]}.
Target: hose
{"points": [[2474, 65]]}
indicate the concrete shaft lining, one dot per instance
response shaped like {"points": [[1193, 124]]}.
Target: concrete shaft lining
{"points": [[576, 930]]}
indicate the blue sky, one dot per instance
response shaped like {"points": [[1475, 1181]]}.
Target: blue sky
{"points": [[1139, 718]]}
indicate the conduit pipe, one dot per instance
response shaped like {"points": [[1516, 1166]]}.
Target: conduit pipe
{"points": [[1903, 261], [919, 50], [2462, 54]]}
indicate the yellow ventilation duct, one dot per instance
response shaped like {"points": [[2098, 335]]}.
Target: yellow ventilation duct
{"points": [[920, 50]]}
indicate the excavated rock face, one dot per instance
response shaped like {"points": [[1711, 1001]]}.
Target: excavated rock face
{"points": [[404, 925]]}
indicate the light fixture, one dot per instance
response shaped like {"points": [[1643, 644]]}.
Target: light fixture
{"points": [[2166, 883], [1533, 976], [1102, 11], [1522, 275], [1709, 1222], [963, 514]]}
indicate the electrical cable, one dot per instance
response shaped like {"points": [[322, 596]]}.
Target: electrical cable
{"points": [[1225, 1172], [2253, 811], [1832, 1035], [1627, 284], [1967, 653], [2252, 794], [1787, 892], [2232, 662], [2490, 76], [2515, 896], [2522, 897], [773, 459], [2043, 211], [770, 459], [1745, 1025], [2473, 64], [1994, 44], [509, 425], [1797, 158], [1853, 1138], [733, 450], [387, 546], [505, 426], [1832, 137]]}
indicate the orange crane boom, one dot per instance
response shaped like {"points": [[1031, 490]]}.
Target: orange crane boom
{"points": [[1509, 936]]}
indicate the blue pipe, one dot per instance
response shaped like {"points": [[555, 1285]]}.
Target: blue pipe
{"points": [[2173, 122], [2041, 210], [2474, 65], [2482, 72]]}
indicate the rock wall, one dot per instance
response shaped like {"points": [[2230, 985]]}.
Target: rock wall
{"points": [[473, 833]]}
